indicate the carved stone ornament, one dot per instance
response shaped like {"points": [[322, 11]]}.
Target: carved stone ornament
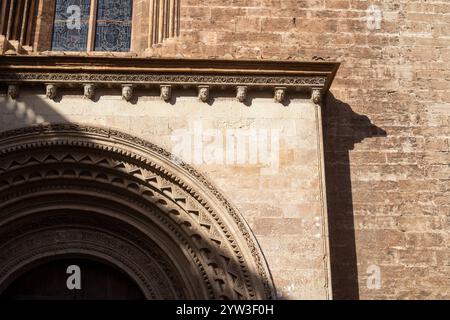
{"points": [[203, 93], [241, 93], [166, 92], [157, 79], [89, 91], [280, 94], [69, 189], [51, 90], [127, 92], [316, 96], [113, 72], [13, 91]]}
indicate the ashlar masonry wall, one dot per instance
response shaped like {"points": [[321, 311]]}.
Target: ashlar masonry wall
{"points": [[278, 189]]}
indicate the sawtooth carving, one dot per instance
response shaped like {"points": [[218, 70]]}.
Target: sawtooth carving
{"points": [[114, 170]]}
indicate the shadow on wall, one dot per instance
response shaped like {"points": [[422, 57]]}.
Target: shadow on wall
{"points": [[343, 128], [19, 113], [80, 184]]}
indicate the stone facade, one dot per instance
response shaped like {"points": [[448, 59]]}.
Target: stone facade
{"points": [[386, 125], [281, 202], [386, 137]]}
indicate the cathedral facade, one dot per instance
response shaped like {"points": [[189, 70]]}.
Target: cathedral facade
{"points": [[255, 149]]}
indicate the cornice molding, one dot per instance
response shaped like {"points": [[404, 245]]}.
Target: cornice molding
{"points": [[111, 71]]}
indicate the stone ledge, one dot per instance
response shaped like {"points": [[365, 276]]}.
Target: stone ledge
{"points": [[289, 76]]}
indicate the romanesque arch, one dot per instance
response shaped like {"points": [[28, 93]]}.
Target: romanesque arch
{"points": [[78, 190]]}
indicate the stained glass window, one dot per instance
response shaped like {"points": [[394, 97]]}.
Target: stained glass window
{"points": [[113, 28], [70, 29], [110, 28]]}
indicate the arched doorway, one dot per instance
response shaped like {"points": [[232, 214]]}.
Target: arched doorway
{"points": [[49, 281], [78, 190]]}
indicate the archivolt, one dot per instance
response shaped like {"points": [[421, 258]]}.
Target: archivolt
{"points": [[110, 185]]}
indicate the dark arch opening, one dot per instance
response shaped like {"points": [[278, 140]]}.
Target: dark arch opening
{"points": [[47, 280]]}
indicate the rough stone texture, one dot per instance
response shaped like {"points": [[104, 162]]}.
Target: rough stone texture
{"points": [[387, 123]]}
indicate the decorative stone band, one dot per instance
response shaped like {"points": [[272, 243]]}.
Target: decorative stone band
{"points": [[141, 71], [157, 79], [72, 71]]}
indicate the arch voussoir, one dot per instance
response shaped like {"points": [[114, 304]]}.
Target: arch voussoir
{"points": [[110, 171]]}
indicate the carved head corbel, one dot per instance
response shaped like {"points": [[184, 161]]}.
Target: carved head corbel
{"points": [[241, 93], [89, 91], [166, 92], [203, 93], [127, 92], [51, 90], [13, 91], [316, 96], [280, 94]]}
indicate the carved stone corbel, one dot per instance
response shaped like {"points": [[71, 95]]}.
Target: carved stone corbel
{"points": [[280, 94], [203, 93], [166, 92], [241, 93], [127, 92], [13, 91], [89, 91], [51, 90], [316, 96]]}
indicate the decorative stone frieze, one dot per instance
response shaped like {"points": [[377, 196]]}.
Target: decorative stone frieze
{"points": [[168, 75]]}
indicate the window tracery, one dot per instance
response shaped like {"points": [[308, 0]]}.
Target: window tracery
{"points": [[92, 25]]}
